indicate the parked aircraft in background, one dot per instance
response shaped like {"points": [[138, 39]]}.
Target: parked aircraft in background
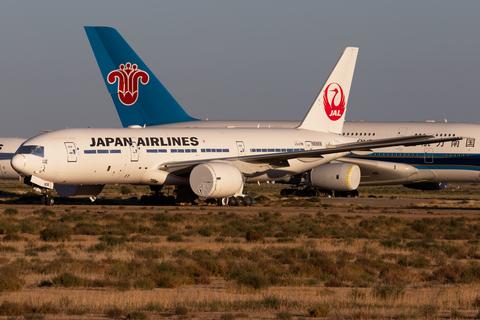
{"points": [[8, 147], [215, 163], [422, 167]]}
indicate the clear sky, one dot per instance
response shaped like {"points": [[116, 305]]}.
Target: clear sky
{"points": [[242, 60]]}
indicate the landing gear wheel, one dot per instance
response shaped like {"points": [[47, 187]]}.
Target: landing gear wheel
{"points": [[284, 193], [310, 193], [299, 193], [232, 202], [240, 201], [247, 201], [222, 202], [47, 200], [162, 200]]}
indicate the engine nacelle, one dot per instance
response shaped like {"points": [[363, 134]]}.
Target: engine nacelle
{"points": [[216, 180], [426, 185], [74, 191], [336, 176]]}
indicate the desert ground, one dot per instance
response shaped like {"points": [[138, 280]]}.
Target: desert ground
{"points": [[392, 253]]}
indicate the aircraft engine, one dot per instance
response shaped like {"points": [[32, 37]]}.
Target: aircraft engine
{"points": [[74, 191], [336, 176], [216, 180]]}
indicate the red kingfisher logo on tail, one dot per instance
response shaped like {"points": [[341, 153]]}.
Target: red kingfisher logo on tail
{"points": [[334, 106], [128, 77]]}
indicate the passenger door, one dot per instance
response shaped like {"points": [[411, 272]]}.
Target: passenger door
{"points": [[71, 152]]}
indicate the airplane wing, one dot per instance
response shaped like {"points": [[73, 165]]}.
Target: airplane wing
{"points": [[276, 160]]}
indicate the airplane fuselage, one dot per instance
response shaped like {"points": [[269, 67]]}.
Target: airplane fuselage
{"points": [[138, 155], [456, 161], [8, 147]]}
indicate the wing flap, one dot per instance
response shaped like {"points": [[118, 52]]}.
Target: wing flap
{"points": [[275, 160]]}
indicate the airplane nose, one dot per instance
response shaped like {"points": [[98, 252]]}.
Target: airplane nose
{"points": [[18, 162]]}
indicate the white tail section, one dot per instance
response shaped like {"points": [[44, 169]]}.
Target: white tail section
{"points": [[327, 112]]}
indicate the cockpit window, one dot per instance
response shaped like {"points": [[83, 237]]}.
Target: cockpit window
{"points": [[35, 150]]}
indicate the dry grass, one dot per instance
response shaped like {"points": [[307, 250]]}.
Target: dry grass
{"points": [[333, 260]]}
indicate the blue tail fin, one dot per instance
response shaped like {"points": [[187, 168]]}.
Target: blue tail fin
{"points": [[138, 95]]}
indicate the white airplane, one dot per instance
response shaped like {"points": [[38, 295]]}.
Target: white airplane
{"points": [[8, 147], [215, 163]]}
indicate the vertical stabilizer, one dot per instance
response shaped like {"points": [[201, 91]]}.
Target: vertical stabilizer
{"points": [[327, 112], [139, 97]]}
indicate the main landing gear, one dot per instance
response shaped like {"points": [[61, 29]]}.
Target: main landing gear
{"points": [[310, 192], [158, 198], [235, 201], [47, 200]]}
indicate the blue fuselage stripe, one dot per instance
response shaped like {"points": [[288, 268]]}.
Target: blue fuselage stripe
{"points": [[431, 161]]}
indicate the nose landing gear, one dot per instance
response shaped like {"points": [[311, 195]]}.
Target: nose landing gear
{"points": [[47, 200]]}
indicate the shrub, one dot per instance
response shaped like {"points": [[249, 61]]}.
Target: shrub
{"points": [[416, 261], [205, 231], [448, 274], [10, 211], [476, 302], [154, 307], [68, 280], [455, 314], [181, 311], [137, 315], [320, 311], [334, 283], [227, 316], [33, 316], [167, 275], [471, 274], [390, 243], [91, 229], [49, 213], [47, 308], [285, 315], [8, 308], [8, 249], [122, 285], [203, 279], [254, 235], [125, 190], [57, 232], [76, 311], [27, 226], [13, 237], [9, 279], [250, 278], [149, 253], [395, 274], [272, 302], [175, 238], [428, 310], [113, 240], [144, 284], [114, 312], [388, 292], [362, 315]]}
